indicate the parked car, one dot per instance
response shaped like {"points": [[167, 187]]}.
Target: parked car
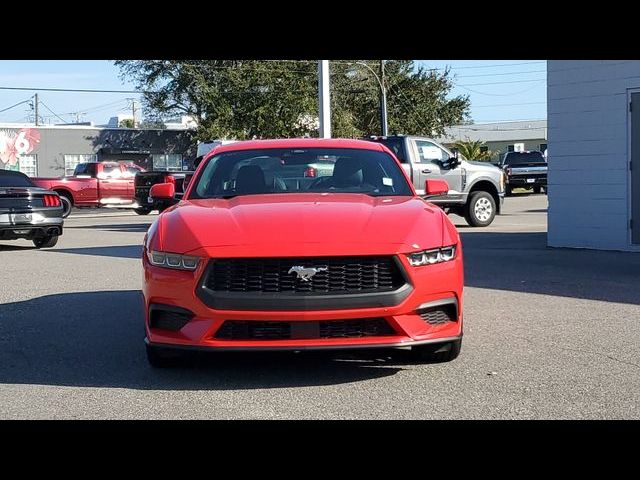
{"points": [[524, 170], [28, 211], [476, 189], [355, 259], [95, 184]]}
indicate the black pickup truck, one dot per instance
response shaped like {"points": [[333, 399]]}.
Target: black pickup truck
{"points": [[145, 180], [524, 170]]}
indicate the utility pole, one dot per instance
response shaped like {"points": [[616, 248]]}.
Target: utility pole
{"points": [[324, 99], [133, 111], [35, 103], [383, 102]]}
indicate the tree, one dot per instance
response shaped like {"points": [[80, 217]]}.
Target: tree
{"points": [[472, 150], [244, 99], [127, 123]]}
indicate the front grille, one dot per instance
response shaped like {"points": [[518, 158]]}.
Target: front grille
{"points": [[439, 315], [261, 330], [343, 275]]}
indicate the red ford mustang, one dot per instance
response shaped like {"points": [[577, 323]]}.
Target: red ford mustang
{"points": [[302, 244]]}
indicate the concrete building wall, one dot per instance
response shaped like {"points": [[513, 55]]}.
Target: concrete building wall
{"points": [[588, 122], [107, 144]]}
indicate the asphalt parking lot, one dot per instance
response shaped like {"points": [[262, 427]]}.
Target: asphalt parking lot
{"points": [[549, 333]]}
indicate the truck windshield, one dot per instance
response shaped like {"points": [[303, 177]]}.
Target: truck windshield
{"points": [[300, 170], [523, 157]]}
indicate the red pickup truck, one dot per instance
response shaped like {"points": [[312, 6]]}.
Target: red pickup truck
{"points": [[95, 185]]}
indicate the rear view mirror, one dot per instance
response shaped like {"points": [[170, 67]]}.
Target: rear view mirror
{"points": [[434, 188]]}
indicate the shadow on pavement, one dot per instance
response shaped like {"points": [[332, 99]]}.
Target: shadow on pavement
{"points": [[521, 262], [8, 248], [123, 251], [96, 339], [115, 227]]}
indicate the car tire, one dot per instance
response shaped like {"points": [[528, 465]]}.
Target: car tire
{"points": [[67, 204], [480, 209], [537, 190], [438, 353], [46, 242], [142, 211], [160, 357], [508, 191]]}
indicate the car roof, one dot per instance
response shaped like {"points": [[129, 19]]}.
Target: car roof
{"points": [[299, 143], [12, 172]]}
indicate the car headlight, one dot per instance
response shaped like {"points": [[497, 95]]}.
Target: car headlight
{"points": [[173, 260], [429, 257]]}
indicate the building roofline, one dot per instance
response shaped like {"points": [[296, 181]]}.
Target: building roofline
{"points": [[86, 127]]}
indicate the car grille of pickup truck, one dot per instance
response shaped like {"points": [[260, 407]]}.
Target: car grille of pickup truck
{"points": [[259, 330], [339, 282]]}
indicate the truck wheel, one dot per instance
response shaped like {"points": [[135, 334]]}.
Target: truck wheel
{"points": [[159, 357], [480, 209], [67, 204], [46, 242], [437, 353], [143, 211], [508, 191], [537, 189]]}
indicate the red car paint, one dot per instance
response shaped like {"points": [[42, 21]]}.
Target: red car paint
{"points": [[310, 225], [108, 183]]}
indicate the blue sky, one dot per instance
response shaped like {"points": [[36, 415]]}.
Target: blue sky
{"points": [[500, 90]]}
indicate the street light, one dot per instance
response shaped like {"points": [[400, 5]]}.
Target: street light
{"points": [[383, 94]]}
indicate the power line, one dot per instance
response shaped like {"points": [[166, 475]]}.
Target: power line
{"points": [[503, 73], [54, 113], [17, 104], [493, 66], [508, 104], [502, 83], [500, 94], [75, 90]]}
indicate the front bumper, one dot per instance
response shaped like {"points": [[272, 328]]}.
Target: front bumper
{"points": [[432, 285]]}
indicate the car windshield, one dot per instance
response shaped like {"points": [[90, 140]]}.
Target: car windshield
{"points": [[524, 157], [14, 179], [300, 170]]}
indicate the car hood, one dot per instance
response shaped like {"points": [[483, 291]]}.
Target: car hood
{"points": [[483, 165], [301, 224]]}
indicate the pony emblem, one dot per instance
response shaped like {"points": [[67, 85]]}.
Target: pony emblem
{"points": [[305, 274]]}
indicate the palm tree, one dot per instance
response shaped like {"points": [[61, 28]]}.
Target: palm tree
{"points": [[471, 150]]}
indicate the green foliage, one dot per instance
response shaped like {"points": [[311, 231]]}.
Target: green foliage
{"points": [[127, 123], [245, 99], [472, 151]]}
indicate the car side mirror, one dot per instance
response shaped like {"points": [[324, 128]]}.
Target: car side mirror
{"points": [[163, 191], [434, 188], [187, 180], [450, 163]]}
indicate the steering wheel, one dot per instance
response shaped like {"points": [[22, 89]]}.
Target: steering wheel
{"points": [[317, 182]]}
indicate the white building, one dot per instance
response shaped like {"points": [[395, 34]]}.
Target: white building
{"points": [[500, 137], [594, 138]]}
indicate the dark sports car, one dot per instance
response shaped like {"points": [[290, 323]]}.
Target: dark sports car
{"points": [[28, 211]]}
